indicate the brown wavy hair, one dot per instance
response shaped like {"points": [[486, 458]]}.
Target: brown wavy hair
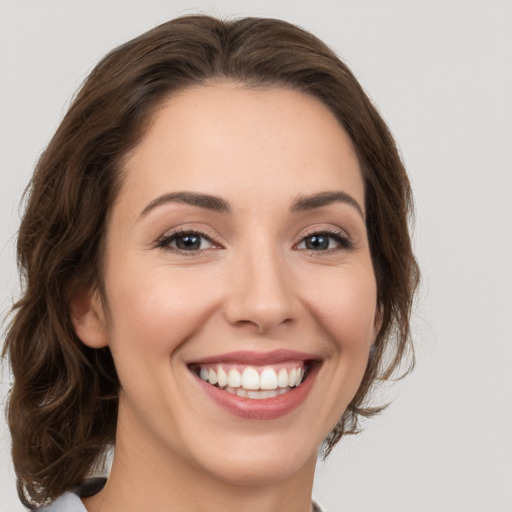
{"points": [[62, 409]]}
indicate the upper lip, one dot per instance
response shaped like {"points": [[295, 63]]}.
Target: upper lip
{"points": [[258, 358]]}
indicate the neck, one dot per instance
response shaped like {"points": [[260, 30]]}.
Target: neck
{"points": [[146, 476]]}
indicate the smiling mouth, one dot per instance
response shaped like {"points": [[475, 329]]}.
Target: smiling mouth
{"points": [[254, 382]]}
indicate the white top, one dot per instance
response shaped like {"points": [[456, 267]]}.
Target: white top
{"points": [[68, 502]]}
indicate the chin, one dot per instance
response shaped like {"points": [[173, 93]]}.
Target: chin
{"points": [[260, 468], [257, 459]]}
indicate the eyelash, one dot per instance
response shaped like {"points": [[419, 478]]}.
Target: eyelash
{"points": [[165, 241], [340, 237]]}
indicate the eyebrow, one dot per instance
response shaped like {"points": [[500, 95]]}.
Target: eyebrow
{"points": [[303, 203], [217, 204], [206, 201]]}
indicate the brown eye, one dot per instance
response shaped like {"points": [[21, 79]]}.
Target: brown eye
{"points": [[324, 242], [186, 241], [317, 242], [190, 242]]}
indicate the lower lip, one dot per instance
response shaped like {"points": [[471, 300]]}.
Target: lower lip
{"points": [[264, 409]]}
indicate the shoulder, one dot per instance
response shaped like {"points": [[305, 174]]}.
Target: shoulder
{"points": [[68, 502]]}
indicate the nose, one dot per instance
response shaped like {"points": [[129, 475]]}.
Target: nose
{"points": [[261, 293]]}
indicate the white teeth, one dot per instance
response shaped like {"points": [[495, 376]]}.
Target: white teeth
{"points": [[212, 377], [234, 378], [250, 378], [222, 378], [268, 379], [282, 378], [261, 395], [271, 393], [256, 395], [292, 377]]}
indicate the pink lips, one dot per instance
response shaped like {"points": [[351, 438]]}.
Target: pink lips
{"points": [[264, 409], [258, 358]]}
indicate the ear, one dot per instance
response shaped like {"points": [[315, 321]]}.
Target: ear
{"points": [[88, 318]]}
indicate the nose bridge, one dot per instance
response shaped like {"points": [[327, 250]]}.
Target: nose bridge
{"points": [[261, 291]]}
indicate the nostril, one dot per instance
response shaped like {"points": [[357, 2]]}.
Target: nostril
{"points": [[261, 318], [260, 295]]}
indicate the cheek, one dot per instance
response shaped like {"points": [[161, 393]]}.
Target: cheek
{"points": [[151, 311], [345, 306]]}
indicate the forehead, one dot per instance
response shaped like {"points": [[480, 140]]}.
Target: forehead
{"points": [[225, 137]]}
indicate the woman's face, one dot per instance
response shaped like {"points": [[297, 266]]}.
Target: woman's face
{"points": [[237, 252]]}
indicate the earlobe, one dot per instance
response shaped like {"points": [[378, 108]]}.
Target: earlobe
{"points": [[88, 318]]}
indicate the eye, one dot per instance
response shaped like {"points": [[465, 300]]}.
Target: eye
{"points": [[186, 241], [325, 241]]}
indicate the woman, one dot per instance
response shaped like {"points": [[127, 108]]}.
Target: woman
{"points": [[218, 270]]}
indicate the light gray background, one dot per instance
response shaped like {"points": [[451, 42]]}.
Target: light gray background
{"points": [[440, 72]]}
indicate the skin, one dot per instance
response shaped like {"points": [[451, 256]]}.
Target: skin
{"points": [[253, 285]]}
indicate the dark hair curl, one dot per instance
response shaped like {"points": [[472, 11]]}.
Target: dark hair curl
{"points": [[62, 408]]}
